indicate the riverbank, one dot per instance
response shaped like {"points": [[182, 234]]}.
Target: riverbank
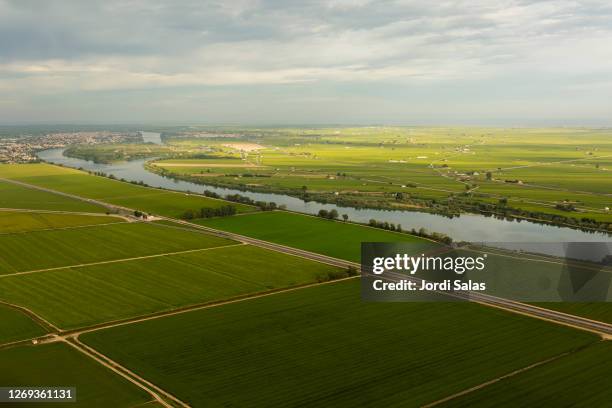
{"points": [[466, 227], [501, 210]]}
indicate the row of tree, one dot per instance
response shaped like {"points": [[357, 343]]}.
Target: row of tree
{"points": [[422, 232], [207, 212], [263, 205]]}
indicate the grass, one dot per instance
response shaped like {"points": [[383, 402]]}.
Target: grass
{"points": [[581, 379], [337, 239], [150, 200], [15, 221], [49, 249], [17, 326], [323, 346], [353, 164], [78, 297], [59, 365], [14, 196]]}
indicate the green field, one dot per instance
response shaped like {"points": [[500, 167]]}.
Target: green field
{"points": [[59, 365], [150, 200], [76, 297], [337, 239], [17, 326], [14, 196], [56, 248], [324, 346], [368, 166], [581, 379], [16, 221]]}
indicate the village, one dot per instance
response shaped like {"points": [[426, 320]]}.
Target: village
{"points": [[23, 149]]}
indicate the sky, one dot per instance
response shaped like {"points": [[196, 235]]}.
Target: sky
{"points": [[521, 63]]}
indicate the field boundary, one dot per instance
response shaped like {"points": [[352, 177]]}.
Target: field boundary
{"points": [[118, 260], [503, 377]]}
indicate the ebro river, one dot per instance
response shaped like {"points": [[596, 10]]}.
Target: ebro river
{"points": [[467, 227]]}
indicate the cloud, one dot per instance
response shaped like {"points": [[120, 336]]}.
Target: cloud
{"points": [[79, 48]]}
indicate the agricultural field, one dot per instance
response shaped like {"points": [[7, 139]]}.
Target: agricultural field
{"points": [[68, 247], [21, 221], [17, 326], [84, 296], [333, 238], [15, 196], [323, 346], [58, 364], [579, 379], [440, 169], [150, 200]]}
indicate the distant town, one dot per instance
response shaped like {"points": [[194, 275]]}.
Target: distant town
{"points": [[23, 149]]}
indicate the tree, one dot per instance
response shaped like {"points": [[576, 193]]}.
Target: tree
{"points": [[399, 196], [345, 217], [489, 175], [333, 214], [323, 213], [188, 215]]}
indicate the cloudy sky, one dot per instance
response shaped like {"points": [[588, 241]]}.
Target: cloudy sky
{"points": [[306, 62]]}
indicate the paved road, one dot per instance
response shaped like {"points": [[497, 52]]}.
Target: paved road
{"points": [[604, 329], [601, 328]]}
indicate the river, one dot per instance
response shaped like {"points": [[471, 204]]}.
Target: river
{"points": [[467, 227]]}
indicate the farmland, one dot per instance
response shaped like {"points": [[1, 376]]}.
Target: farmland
{"points": [[14, 196], [17, 326], [142, 198], [59, 365], [445, 170], [15, 221], [58, 248], [337, 239], [580, 379], [200, 316], [323, 345], [134, 288]]}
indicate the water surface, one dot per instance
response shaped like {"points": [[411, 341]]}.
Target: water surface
{"points": [[467, 227]]}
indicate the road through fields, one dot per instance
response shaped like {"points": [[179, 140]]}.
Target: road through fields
{"points": [[603, 329]]}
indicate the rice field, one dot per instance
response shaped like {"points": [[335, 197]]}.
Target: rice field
{"points": [[58, 248], [17, 221], [14, 196], [17, 326], [150, 200], [337, 239], [84, 296], [60, 365], [324, 346]]}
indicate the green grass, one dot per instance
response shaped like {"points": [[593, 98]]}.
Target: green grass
{"points": [[15, 221], [323, 346], [581, 379], [17, 326], [150, 200], [358, 162], [85, 296], [59, 365], [49, 249], [14, 196], [337, 239]]}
